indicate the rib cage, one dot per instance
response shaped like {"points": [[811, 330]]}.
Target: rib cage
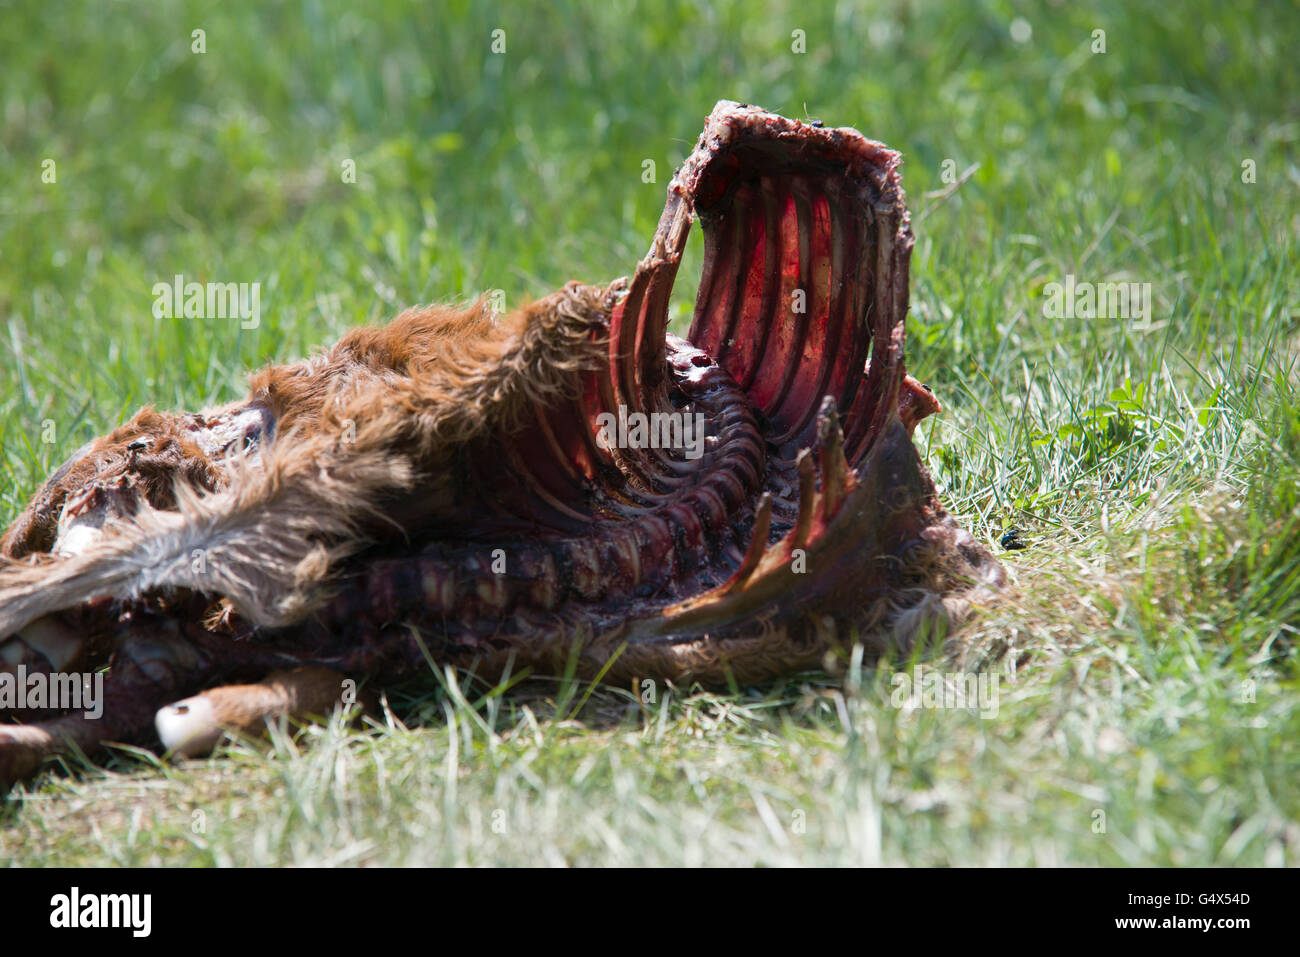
{"points": [[683, 570]]}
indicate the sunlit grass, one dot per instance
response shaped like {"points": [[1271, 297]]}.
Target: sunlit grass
{"points": [[1147, 649]]}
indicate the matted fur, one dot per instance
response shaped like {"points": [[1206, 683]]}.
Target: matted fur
{"points": [[384, 408]]}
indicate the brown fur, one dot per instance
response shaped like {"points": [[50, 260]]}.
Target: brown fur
{"points": [[355, 427]]}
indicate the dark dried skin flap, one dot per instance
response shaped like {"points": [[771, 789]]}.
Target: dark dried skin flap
{"points": [[476, 515]]}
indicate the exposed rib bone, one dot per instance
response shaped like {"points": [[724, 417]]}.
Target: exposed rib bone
{"points": [[830, 456], [757, 545]]}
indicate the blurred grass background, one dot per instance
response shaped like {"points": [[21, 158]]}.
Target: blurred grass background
{"points": [[1153, 465]]}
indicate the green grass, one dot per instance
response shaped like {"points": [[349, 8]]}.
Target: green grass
{"points": [[1147, 651]]}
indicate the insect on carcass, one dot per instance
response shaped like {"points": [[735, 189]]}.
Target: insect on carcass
{"points": [[565, 483]]}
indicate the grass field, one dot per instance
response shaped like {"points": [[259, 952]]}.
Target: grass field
{"points": [[1149, 708]]}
